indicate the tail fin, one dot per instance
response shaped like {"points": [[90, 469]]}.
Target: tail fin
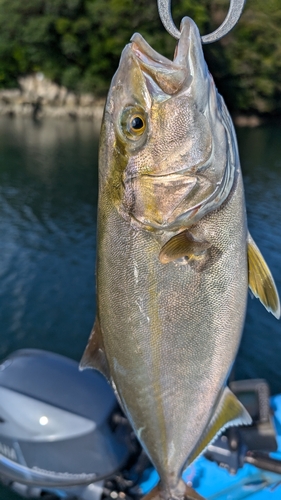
{"points": [[158, 494]]}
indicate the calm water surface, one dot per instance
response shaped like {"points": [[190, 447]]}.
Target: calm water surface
{"points": [[260, 152], [48, 191], [48, 194]]}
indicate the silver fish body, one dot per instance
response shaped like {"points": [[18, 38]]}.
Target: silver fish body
{"points": [[171, 335], [168, 329]]}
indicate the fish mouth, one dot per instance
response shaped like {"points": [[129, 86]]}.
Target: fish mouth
{"points": [[170, 76]]}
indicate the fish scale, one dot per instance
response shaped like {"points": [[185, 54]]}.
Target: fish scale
{"points": [[199, 346], [174, 256]]}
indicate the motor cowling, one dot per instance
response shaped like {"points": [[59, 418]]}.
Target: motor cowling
{"points": [[56, 423]]}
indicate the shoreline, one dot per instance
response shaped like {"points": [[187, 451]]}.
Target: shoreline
{"points": [[39, 98], [35, 112]]}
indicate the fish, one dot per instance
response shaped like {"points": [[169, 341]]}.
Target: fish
{"points": [[175, 258]]}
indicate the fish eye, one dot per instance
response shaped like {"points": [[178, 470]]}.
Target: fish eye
{"points": [[137, 124], [133, 122]]}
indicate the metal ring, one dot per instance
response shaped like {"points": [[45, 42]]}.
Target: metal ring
{"points": [[233, 15]]}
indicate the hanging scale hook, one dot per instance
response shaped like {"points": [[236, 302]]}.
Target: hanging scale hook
{"points": [[233, 15]]}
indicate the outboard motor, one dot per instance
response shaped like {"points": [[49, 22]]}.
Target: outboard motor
{"points": [[61, 431], [63, 435]]}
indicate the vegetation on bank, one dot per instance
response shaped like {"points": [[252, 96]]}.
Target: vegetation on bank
{"points": [[77, 43]]}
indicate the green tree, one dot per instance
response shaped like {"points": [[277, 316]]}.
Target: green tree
{"points": [[246, 63], [78, 43]]}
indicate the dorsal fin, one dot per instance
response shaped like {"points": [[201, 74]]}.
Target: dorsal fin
{"points": [[183, 244], [94, 355], [229, 412], [261, 282]]}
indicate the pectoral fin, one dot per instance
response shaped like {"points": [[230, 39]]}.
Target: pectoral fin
{"points": [[261, 282], [229, 412], [183, 245], [94, 356]]}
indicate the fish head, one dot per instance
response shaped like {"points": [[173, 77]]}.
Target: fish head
{"points": [[166, 136]]}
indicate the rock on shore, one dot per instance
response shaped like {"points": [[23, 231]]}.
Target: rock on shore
{"points": [[38, 97]]}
